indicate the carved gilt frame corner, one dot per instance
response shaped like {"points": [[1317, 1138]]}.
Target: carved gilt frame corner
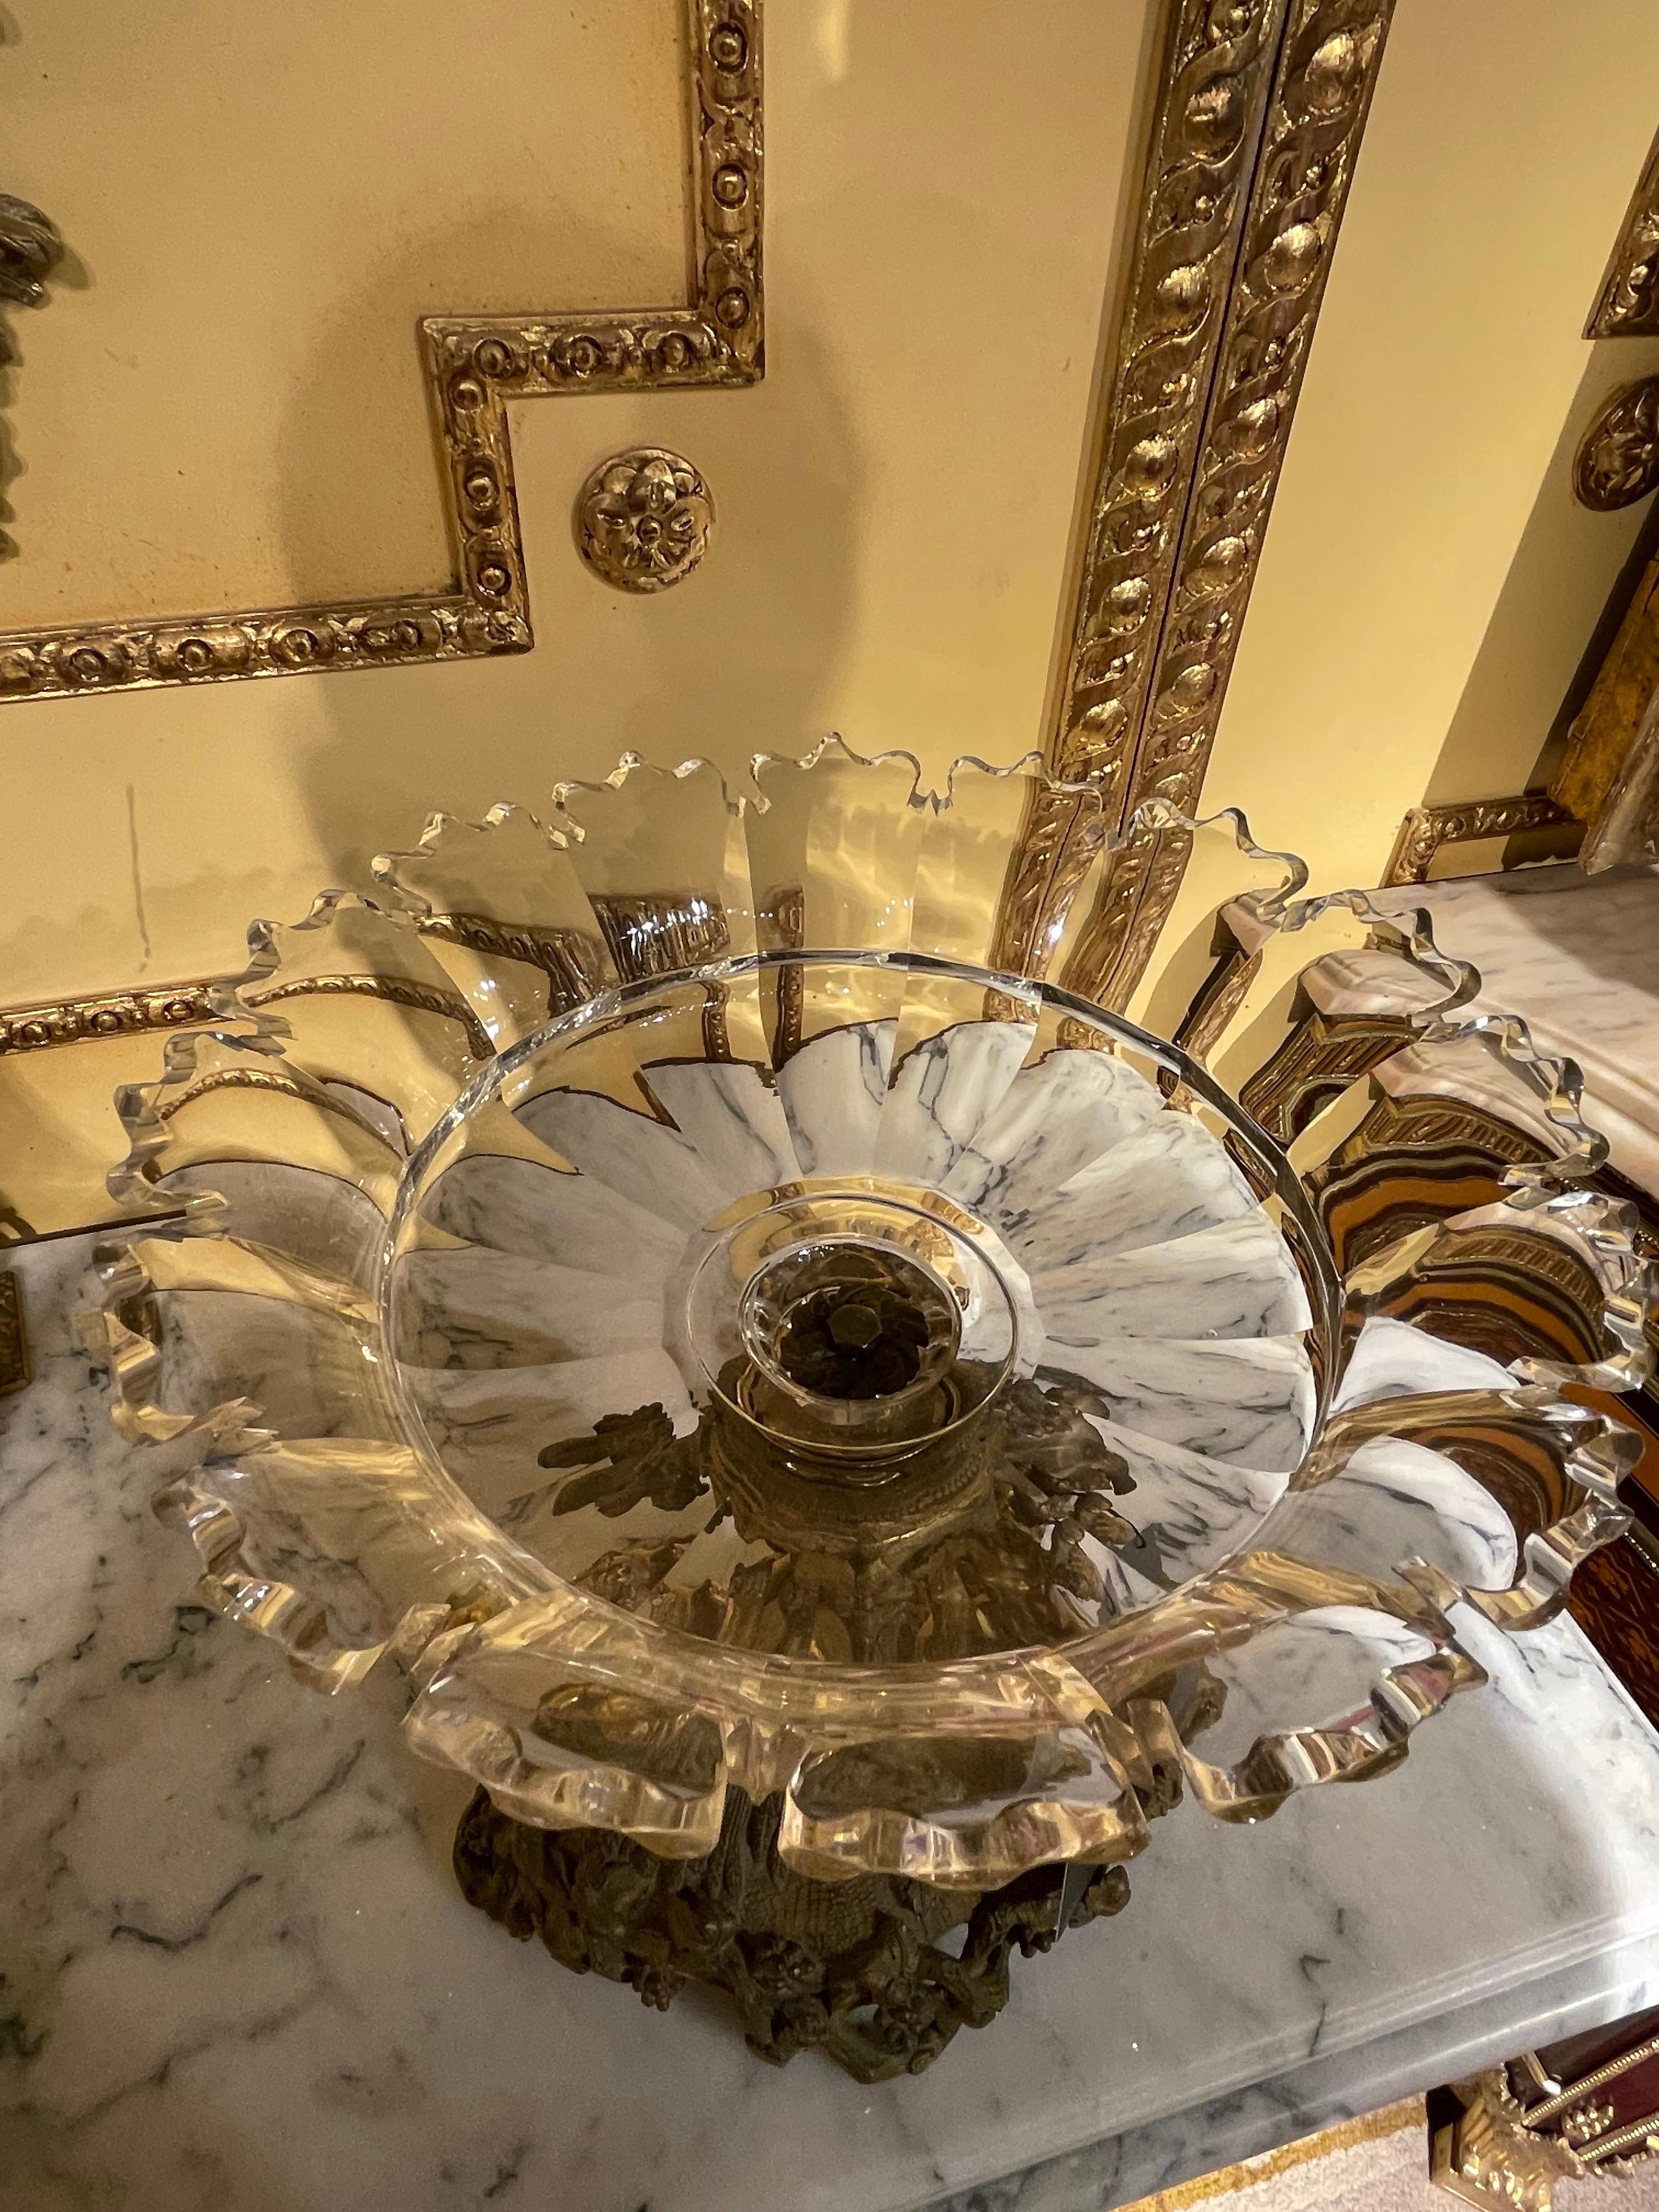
{"points": [[1259, 109], [473, 364], [1628, 301], [1425, 830]]}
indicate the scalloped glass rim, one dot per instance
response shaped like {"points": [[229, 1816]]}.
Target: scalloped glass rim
{"points": [[780, 1717]]}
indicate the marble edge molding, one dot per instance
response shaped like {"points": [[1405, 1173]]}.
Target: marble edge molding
{"points": [[473, 364], [1259, 115]]}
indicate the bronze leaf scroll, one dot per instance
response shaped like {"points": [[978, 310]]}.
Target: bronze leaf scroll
{"points": [[473, 366], [1261, 105]]}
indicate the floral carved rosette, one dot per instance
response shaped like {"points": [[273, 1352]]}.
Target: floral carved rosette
{"points": [[642, 520], [677, 1276]]}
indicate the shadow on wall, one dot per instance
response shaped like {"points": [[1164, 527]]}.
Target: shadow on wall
{"points": [[763, 621], [1533, 646]]}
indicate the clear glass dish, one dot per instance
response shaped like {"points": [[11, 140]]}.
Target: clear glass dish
{"points": [[681, 1281]]}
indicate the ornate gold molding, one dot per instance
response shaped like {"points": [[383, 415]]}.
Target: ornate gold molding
{"points": [[1425, 830], [1627, 305], [107, 1014], [1212, 95], [30, 249], [13, 1344], [474, 365], [1322, 1056], [1617, 461], [393, 990], [1512, 2149], [1180, 512]]}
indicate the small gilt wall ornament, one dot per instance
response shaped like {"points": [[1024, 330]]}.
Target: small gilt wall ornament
{"points": [[1617, 458], [30, 249], [643, 520]]}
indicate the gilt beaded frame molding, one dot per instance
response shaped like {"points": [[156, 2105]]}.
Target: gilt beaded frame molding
{"points": [[473, 364], [1256, 117], [1259, 109]]}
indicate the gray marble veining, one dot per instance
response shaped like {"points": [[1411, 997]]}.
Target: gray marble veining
{"points": [[1235, 1279], [1055, 1118], [1578, 955], [238, 1975], [832, 1091], [1248, 1402], [943, 1089], [1396, 1501], [517, 1206], [629, 1152], [484, 1307], [1195, 1509], [1168, 1180], [733, 1118]]}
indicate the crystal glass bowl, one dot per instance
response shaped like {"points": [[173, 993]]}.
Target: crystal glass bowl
{"points": [[680, 1279]]}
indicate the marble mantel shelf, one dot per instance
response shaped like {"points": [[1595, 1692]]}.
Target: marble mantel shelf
{"points": [[238, 1974]]}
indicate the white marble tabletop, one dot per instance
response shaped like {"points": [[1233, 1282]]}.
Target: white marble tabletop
{"points": [[238, 1974], [1578, 955]]}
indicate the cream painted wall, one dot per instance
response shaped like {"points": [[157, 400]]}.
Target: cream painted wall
{"points": [[1428, 584], [223, 405], [895, 501], [945, 204]]}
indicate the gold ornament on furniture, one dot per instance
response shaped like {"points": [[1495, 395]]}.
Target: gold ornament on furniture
{"points": [[1627, 305], [1617, 462], [644, 519], [473, 366], [1512, 2148], [1617, 458]]}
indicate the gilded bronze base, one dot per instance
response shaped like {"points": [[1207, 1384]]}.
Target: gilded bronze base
{"points": [[854, 1969], [1485, 2155]]}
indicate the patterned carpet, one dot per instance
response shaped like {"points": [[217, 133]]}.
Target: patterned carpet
{"points": [[1380, 2164]]}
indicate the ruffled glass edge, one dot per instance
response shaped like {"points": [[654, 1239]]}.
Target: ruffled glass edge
{"points": [[385, 1555]]}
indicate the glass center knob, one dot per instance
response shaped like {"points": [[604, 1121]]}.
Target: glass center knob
{"points": [[851, 1321]]}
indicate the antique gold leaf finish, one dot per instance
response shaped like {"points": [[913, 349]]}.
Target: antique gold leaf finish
{"points": [[1627, 305], [1513, 2148], [1617, 458], [1320, 59], [111, 1013], [13, 1344], [644, 519], [1212, 94], [474, 365], [1426, 828]]}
